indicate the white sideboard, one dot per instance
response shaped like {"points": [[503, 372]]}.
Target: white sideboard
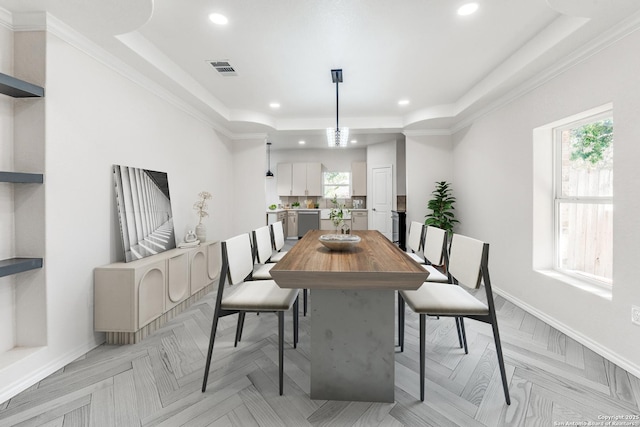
{"points": [[134, 299]]}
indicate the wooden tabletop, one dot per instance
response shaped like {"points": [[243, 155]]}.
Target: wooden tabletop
{"points": [[374, 263]]}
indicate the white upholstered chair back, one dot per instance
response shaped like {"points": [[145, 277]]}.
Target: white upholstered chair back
{"points": [[434, 242], [263, 243], [465, 260], [278, 235], [239, 257], [414, 242]]}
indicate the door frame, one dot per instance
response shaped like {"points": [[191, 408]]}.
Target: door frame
{"points": [[390, 201]]}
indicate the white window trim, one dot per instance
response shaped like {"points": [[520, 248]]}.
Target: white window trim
{"points": [[543, 227], [324, 184]]}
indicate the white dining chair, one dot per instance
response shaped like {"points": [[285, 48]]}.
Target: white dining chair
{"points": [[468, 266], [415, 241], [435, 257], [277, 235], [434, 249], [262, 253], [249, 296]]}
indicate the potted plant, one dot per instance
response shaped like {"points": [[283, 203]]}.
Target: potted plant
{"points": [[336, 215], [441, 206]]}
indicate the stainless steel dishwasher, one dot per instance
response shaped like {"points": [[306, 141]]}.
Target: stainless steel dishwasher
{"points": [[308, 220]]}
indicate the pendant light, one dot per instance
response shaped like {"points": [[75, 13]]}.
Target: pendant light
{"points": [[337, 137], [269, 173]]}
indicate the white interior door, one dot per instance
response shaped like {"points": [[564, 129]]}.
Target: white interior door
{"points": [[381, 201]]}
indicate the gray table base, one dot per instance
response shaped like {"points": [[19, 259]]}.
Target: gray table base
{"points": [[352, 345]]}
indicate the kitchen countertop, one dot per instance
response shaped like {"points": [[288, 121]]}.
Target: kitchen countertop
{"points": [[274, 211]]}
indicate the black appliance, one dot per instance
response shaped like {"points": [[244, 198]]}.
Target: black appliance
{"points": [[399, 228]]}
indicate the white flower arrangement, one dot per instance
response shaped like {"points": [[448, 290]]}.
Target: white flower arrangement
{"points": [[336, 215], [201, 205]]}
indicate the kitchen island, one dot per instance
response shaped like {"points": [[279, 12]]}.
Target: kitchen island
{"points": [[352, 313]]}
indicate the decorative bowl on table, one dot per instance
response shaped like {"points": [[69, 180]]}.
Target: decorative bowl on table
{"points": [[339, 242]]}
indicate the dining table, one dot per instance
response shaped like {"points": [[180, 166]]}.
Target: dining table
{"points": [[352, 311]]}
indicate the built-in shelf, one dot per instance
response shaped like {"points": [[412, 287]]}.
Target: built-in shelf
{"points": [[21, 177], [18, 265], [17, 88]]}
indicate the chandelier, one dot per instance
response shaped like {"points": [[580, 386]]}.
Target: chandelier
{"points": [[337, 137]]}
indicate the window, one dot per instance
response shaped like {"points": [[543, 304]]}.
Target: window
{"points": [[583, 182], [336, 185]]}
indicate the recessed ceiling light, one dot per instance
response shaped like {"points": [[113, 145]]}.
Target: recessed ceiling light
{"points": [[301, 142], [467, 9], [274, 105], [218, 18], [354, 141], [403, 102]]}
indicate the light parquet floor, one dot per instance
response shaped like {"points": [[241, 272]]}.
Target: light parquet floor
{"points": [[553, 380]]}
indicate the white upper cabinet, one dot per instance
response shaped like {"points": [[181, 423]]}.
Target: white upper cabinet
{"points": [[359, 179], [299, 185], [300, 179], [314, 179], [284, 177]]}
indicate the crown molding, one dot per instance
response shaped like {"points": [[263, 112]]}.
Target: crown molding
{"points": [[39, 21], [427, 132], [29, 21], [42, 21], [580, 55], [6, 20]]}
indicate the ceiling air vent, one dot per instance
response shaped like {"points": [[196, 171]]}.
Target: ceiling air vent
{"points": [[224, 68]]}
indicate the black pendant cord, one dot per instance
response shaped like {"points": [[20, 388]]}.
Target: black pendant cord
{"points": [[337, 110]]}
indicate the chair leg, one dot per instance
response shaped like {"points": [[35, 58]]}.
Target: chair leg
{"points": [[503, 373], [304, 302], [423, 318], [464, 335], [239, 328], [459, 332], [212, 338], [401, 322], [281, 349], [295, 322]]}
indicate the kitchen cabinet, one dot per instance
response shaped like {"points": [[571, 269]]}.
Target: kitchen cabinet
{"points": [[292, 224], [280, 215], [283, 218], [314, 179], [284, 176], [359, 220], [359, 179], [299, 179]]}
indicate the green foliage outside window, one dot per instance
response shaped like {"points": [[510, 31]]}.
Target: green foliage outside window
{"points": [[591, 142]]}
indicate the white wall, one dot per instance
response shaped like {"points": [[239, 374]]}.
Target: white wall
{"points": [[95, 117], [401, 161], [248, 206], [333, 160], [494, 187], [429, 159]]}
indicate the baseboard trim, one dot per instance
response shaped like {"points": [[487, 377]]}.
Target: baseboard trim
{"points": [[582, 339], [44, 371]]}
